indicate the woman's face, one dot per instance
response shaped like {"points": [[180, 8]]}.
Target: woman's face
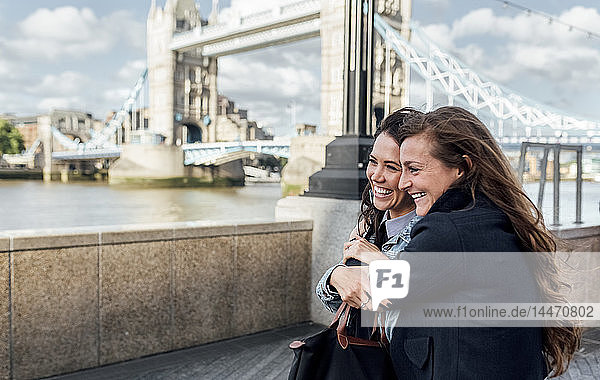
{"points": [[424, 177], [384, 171]]}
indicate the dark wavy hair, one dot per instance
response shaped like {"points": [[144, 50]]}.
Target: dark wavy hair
{"points": [[455, 132], [370, 216]]}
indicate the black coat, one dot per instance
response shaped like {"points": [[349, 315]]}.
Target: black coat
{"points": [[455, 224]]}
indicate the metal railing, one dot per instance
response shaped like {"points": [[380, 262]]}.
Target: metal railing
{"points": [[556, 148]]}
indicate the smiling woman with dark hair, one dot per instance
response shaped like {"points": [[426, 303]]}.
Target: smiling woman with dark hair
{"points": [[383, 228]]}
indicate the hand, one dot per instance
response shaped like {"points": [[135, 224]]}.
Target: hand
{"points": [[353, 285], [362, 250]]}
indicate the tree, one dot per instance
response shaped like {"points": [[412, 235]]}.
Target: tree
{"points": [[11, 141]]}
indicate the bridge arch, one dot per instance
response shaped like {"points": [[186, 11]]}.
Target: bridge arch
{"points": [[378, 114], [189, 132]]}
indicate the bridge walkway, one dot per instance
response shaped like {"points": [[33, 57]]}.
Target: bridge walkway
{"points": [[266, 355]]}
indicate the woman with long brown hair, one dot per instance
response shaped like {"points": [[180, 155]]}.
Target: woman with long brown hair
{"points": [[471, 201]]}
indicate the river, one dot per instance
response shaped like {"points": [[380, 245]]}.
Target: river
{"points": [[34, 204]]}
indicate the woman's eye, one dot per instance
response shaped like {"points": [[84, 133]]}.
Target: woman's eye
{"points": [[393, 168], [372, 161], [413, 170]]}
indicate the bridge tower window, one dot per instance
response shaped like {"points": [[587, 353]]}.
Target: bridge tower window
{"points": [[182, 25]]}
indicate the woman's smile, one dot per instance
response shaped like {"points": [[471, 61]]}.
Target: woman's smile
{"points": [[381, 192]]}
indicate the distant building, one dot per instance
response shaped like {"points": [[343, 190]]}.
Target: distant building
{"points": [[7, 116], [233, 125], [306, 129], [75, 124], [27, 126]]}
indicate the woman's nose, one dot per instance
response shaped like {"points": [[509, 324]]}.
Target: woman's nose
{"points": [[378, 175], [404, 183]]}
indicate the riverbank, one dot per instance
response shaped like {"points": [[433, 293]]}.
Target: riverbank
{"points": [[21, 173]]}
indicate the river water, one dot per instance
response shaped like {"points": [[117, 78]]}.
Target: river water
{"points": [[34, 204]]}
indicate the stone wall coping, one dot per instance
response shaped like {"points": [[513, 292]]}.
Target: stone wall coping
{"points": [[575, 232], [4, 243], [20, 240]]}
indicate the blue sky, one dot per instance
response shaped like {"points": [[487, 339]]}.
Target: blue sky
{"points": [[86, 55]]}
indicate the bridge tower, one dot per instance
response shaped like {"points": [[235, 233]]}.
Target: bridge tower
{"points": [[183, 85], [332, 63]]}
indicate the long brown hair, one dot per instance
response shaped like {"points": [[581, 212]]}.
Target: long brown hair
{"points": [[454, 133], [370, 216]]}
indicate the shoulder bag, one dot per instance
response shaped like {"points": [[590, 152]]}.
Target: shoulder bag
{"points": [[333, 355]]}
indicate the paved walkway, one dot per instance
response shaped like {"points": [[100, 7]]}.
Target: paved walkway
{"points": [[586, 365], [258, 356], [266, 356]]}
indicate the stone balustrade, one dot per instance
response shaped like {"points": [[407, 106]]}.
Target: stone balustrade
{"points": [[84, 297]]}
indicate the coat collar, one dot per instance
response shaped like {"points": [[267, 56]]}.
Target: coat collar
{"points": [[453, 199]]}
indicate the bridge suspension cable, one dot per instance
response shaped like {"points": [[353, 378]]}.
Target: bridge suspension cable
{"points": [[457, 81], [549, 18], [102, 138]]}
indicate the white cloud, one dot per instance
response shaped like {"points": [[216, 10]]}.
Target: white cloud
{"points": [[6, 67], [266, 81], [261, 78], [127, 29], [440, 34], [72, 32], [523, 46], [64, 102], [532, 29], [67, 83], [65, 24], [131, 71], [267, 90], [115, 95]]}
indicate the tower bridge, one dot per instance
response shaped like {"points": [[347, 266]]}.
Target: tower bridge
{"points": [[185, 108], [183, 52]]}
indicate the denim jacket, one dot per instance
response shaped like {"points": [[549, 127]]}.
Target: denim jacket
{"points": [[391, 248]]}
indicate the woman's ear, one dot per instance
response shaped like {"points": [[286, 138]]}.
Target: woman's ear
{"points": [[468, 162]]}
